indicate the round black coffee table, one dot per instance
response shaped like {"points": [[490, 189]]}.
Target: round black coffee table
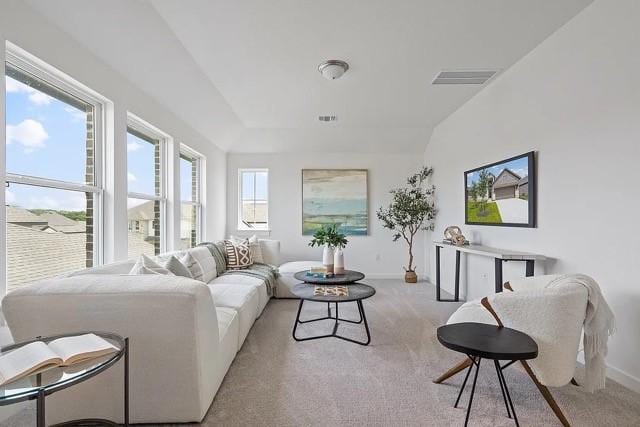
{"points": [[357, 293], [349, 277], [481, 341]]}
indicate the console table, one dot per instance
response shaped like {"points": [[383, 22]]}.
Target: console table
{"points": [[500, 256]]}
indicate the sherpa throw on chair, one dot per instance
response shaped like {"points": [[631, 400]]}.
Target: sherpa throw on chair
{"points": [[599, 324]]}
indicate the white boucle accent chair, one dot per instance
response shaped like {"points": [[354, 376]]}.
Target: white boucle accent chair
{"points": [[552, 317]]}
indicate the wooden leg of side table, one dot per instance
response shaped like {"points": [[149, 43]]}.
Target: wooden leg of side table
{"points": [[454, 370]]}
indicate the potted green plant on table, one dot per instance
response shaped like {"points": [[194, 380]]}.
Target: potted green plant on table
{"points": [[333, 242], [411, 210]]}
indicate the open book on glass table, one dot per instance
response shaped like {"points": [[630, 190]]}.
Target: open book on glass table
{"points": [[39, 356]]}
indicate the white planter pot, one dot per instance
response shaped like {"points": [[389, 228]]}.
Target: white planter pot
{"points": [[327, 258], [338, 262]]}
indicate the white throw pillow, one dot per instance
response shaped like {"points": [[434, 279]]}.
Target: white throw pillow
{"points": [[174, 265], [207, 262], [193, 266], [146, 265]]}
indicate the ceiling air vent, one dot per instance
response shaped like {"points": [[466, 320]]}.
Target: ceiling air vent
{"points": [[466, 77], [328, 118]]}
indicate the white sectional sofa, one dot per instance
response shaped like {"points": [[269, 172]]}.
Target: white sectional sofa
{"points": [[183, 333]]}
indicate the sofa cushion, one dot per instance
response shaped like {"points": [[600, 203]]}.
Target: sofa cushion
{"points": [[206, 261], [120, 267], [286, 281], [242, 280], [243, 299], [228, 330]]}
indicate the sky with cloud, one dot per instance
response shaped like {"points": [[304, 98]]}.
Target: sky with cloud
{"points": [[46, 138], [519, 166]]}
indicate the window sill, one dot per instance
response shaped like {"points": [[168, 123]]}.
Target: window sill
{"points": [[254, 230]]}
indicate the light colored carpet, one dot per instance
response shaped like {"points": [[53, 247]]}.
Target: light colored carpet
{"points": [[275, 381]]}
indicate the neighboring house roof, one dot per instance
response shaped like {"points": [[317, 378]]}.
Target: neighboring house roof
{"points": [[63, 224], [507, 178], [524, 180], [16, 215], [143, 212], [33, 255]]}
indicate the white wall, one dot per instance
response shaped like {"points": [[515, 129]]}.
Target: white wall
{"points": [[575, 99], [386, 171], [27, 29]]}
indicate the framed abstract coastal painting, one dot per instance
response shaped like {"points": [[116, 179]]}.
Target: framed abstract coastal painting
{"points": [[335, 196]]}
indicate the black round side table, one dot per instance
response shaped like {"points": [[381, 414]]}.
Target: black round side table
{"points": [[481, 341], [39, 385]]}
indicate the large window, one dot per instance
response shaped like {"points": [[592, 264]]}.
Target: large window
{"points": [[190, 205], [53, 174], [253, 198], [145, 178]]}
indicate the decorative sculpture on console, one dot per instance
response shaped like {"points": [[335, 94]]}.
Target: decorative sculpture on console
{"points": [[454, 236]]}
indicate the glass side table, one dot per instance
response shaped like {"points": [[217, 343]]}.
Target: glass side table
{"points": [[40, 385]]}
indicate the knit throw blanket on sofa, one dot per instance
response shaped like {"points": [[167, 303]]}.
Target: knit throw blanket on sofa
{"points": [[599, 324], [266, 272]]}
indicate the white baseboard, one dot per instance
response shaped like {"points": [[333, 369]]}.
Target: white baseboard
{"points": [[617, 375], [629, 381]]}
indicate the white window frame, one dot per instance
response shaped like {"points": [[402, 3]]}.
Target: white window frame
{"points": [[241, 225], [197, 203], [136, 123], [16, 57]]}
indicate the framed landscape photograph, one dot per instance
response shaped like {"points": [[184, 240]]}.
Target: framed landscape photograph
{"points": [[335, 196], [502, 193]]}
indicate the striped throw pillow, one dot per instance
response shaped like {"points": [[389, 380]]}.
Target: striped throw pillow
{"points": [[238, 255]]}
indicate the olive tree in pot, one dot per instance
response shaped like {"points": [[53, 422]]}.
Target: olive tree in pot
{"points": [[332, 240], [411, 210]]}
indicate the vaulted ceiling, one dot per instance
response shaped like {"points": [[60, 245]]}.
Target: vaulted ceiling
{"points": [[251, 64]]}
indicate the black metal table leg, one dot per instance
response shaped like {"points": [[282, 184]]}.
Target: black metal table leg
{"points": [[40, 409], [506, 389], [295, 324], [504, 396], [337, 319], [437, 273], [473, 390], [464, 383], [498, 274], [126, 382], [456, 297]]}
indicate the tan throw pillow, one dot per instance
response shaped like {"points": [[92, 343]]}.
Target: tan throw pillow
{"points": [[193, 266], [146, 265], [254, 246], [238, 256]]}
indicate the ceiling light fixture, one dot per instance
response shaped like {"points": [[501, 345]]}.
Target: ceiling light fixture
{"points": [[333, 69]]}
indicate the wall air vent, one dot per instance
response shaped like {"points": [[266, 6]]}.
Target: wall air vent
{"points": [[464, 77], [328, 118]]}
